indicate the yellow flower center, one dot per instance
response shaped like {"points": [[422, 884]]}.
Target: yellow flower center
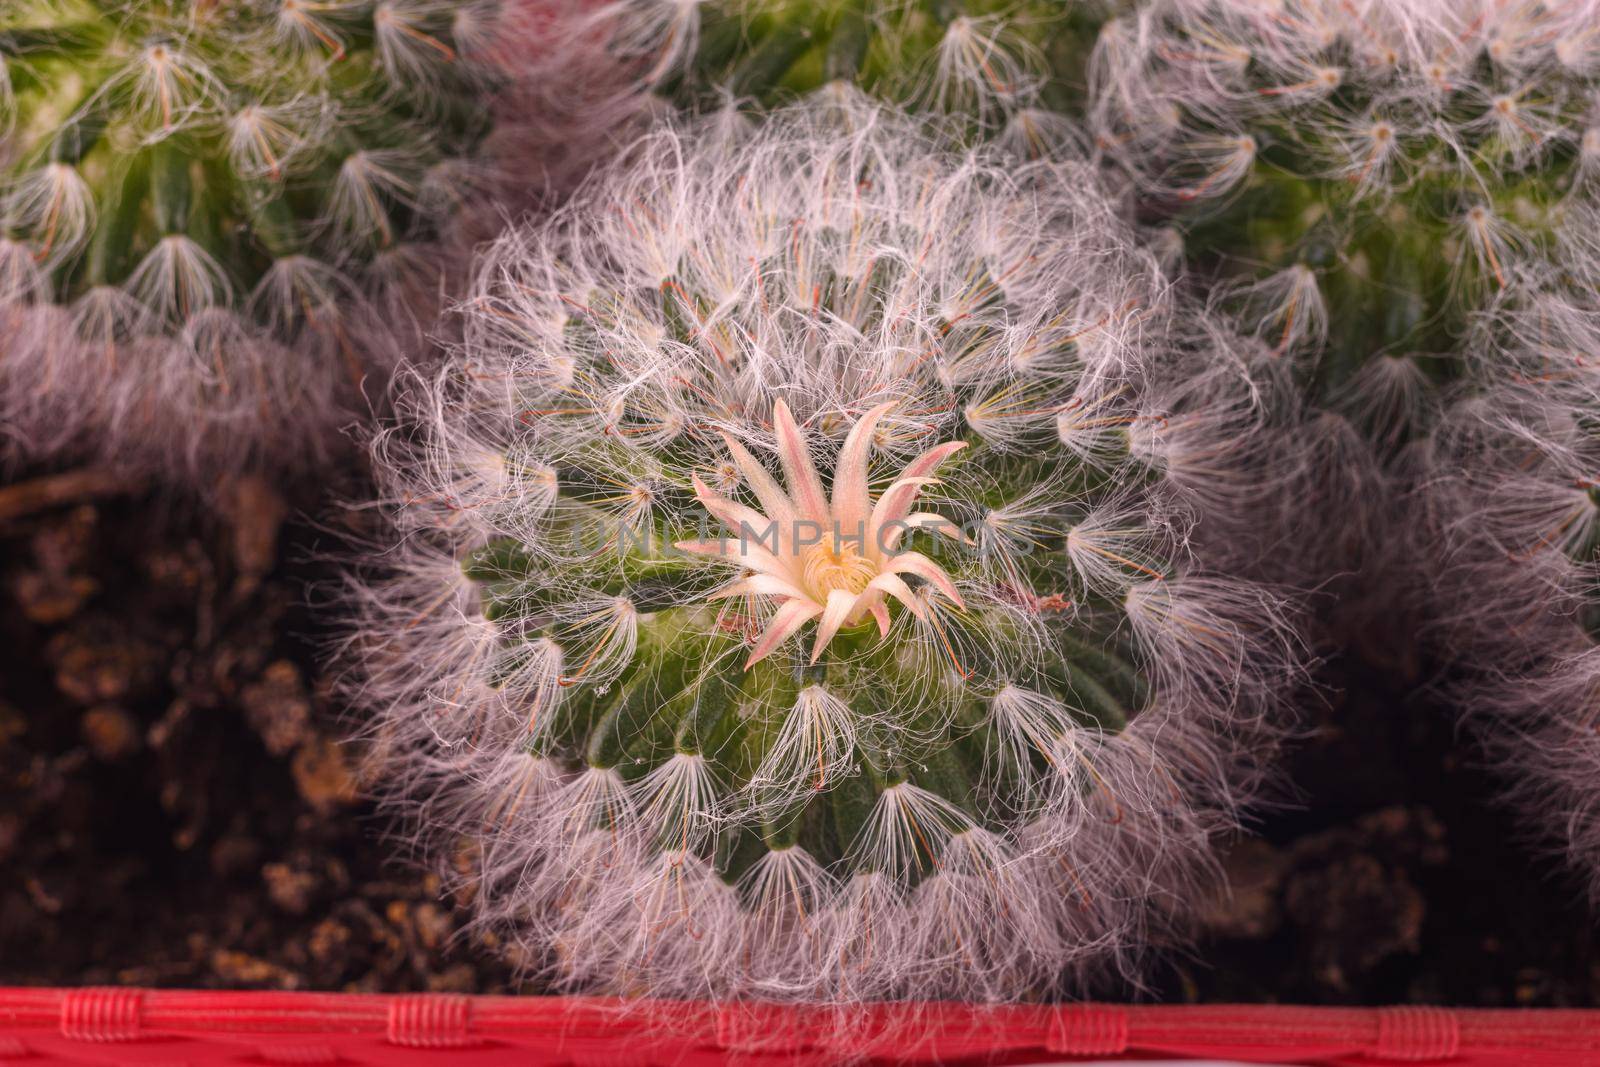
{"points": [[835, 564]]}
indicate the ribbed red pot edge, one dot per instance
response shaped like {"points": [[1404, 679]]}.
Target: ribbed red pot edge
{"points": [[148, 1026]]}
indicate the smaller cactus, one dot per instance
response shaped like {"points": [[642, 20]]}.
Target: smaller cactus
{"points": [[1539, 729], [219, 218], [1009, 67], [1374, 170], [1509, 482], [1518, 512], [803, 591]]}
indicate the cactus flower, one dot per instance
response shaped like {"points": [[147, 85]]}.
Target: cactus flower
{"points": [[846, 569]]}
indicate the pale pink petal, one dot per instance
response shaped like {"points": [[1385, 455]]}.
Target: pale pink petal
{"points": [[788, 618], [890, 510], [880, 615], [774, 501], [757, 541], [759, 585], [929, 461], [896, 501], [897, 588], [926, 569], [805, 487], [851, 503], [840, 605], [923, 520], [742, 553], [726, 548], [738, 518]]}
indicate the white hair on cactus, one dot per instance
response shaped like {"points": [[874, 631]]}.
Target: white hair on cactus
{"points": [[814, 750], [22, 279], [369, 182], [1388, 398], [301, 23], [107, 317], [170, 88], [665, 32], [1041, 735], [1489, 242], [1039, 133], [1286, 309], [54, 207], [767, 439], [300, 295], [179, 278], [1113, 547], [681, 800], [410, 54], [981, 64], [1539, 728], [784, 936], [269, 141], [8, 97], [1229, 67]]}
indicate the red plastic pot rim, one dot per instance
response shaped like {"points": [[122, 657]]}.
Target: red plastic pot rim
{"points": [[139, 1026]]}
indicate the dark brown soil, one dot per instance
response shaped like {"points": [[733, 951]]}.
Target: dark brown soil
{"points": [[1395, 877], [175, 806], [176, 809]]}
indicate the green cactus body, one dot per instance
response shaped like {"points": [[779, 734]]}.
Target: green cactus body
{"points": [[985, 59], [1397, 275], [1413, 164], [239, 126], [216, 189], [685, 690]]}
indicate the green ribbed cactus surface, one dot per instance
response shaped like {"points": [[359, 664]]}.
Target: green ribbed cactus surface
{"points": [[248, 131], [1407, 161], [994, 61], [222, 221]]}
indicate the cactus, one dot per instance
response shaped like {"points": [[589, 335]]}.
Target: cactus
{"points": [[217, 218], [1509, 483], [803, 587], [1368, 173], [1518, 519], [1012, 68]]}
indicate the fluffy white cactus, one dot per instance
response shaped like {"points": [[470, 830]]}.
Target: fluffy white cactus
{"points": [[803, 587], [1510, 481], [1008, 68], [221, 222], [1364, 179], [1371, 168]]}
